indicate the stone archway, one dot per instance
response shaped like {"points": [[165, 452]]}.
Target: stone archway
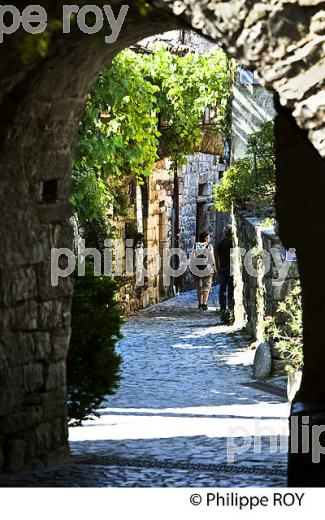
{"points": [[41, 104], [40, 112]]}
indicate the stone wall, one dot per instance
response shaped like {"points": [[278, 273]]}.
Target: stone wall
{"points": [[252, 105], [197, 213], [152, 207], [41, 106], [181, 42], [258, 296], [196, 181], [41, 102]]}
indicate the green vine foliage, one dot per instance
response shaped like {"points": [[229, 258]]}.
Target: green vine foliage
{"points": [[251, 178], [119, 135], [119, 142], [187, 85], [285, 330]]}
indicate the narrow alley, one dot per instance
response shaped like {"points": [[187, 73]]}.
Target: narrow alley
{"points": [[186, 388]]}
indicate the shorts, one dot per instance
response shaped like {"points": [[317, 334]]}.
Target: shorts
{"points": [[204, 283]]}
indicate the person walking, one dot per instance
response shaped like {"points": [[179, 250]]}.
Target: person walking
{"points": [[203, 267], [223, 260]]}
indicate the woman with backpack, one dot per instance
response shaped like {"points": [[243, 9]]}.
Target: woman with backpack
{"points": [[202, 266]]}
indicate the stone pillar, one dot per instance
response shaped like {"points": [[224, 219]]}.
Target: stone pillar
{"points": [[40, 106], [300, 210], [34, 314]]}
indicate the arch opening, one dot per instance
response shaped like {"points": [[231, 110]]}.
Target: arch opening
{"points": [[41, 108]]}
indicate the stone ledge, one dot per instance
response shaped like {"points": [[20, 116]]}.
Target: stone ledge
{"points": [[55, 212]]}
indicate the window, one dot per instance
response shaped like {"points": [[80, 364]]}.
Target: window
{"points": [[50, 191], [246, 77], [202, 190]]}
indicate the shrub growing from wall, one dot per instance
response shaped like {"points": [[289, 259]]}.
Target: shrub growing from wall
{"points": [[284, 329], [93, 364], [251, 178]]}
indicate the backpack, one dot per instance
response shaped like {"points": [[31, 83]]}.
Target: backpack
{"points": [[201, 250]]}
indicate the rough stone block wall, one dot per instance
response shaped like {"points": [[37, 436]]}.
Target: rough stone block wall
{"points": [[41, 102], [200, 170], [35, 317], [41, 106], [252, 106], [260, 294], [276, 293], [155, 223]]}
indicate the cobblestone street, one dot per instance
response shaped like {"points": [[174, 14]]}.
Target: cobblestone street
{"points": [[184, 391]]}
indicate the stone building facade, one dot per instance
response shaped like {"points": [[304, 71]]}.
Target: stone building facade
{"points": [[252, 105], [180, 41], [154, 207], [144, 238], [163, 221], [197, 211]]}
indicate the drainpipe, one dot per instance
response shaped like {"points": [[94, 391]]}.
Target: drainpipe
{"points": [[255, 168], [176, 284]]}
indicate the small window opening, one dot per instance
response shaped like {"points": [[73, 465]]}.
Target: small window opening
{"points": [[50, 191]]}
